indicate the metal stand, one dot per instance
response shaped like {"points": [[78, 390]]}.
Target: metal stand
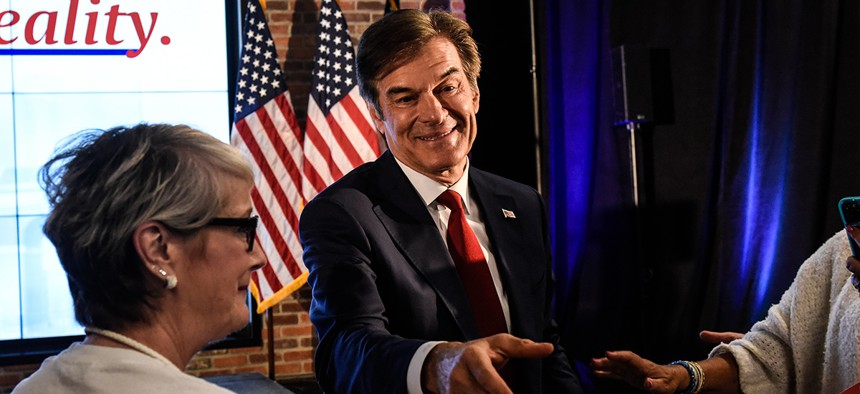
{"points": [[270, 316], [634, 170]]}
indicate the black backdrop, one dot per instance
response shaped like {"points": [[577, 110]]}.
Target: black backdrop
{"points": [[741, 186], [506, 143], [738, 188]]}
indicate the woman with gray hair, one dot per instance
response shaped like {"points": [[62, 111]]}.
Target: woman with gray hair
{"points": [[153, 226]]}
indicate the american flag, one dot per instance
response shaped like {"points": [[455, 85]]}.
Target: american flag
{"points": [[339, 135], [266, 131]]}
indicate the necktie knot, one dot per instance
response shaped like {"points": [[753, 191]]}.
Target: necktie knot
{"points": [[451, 199]]}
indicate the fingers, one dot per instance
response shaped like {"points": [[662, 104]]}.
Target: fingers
{"points": [[473, 367], [636, 371], [717, 337], [510, 346], [455, 367], [484, 373], [853, 265], [854, 233]]}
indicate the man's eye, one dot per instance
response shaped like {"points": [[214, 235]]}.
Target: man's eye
{"points": [[404, 100], [449, 89]]}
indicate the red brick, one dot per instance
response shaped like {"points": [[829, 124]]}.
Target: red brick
{"points": [[229, 361]]}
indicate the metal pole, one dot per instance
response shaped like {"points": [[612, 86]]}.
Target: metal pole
{"points": [[270, 316], [632, 126], [535, 99]]}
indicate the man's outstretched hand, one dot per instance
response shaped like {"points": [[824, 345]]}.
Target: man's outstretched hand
{"points": [[473, 367]]}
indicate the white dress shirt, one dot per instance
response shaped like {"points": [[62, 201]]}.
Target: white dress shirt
{"points": [[429, 190]]}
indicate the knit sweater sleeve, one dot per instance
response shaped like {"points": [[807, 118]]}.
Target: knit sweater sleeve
{"points": [[785, 351]]}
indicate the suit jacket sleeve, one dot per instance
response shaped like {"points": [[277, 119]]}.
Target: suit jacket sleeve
{"points": [[356, 353]]}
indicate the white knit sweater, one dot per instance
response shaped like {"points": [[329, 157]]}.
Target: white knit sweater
{"points": [[810, 341]]}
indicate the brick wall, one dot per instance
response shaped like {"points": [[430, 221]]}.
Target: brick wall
{"points": [[293, 26]]}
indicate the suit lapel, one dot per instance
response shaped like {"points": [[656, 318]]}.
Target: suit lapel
{"points": [[504, 233], [407, 221]]}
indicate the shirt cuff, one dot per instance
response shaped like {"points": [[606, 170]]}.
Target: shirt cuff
{"points": [[413, 374]]}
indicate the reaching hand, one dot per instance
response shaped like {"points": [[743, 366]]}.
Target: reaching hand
{"points": [[472, 367], [641, 373], [718, 337]]}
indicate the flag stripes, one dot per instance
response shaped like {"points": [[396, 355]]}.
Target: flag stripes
{"points": [[339, 132], [290, 166], [266, 131]]}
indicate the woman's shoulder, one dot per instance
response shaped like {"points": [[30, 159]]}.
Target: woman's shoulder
{"points": [[99, 369]]}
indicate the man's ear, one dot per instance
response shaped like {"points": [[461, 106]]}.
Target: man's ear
{"points": [[477, 99], [376, 117], [152, 241]]}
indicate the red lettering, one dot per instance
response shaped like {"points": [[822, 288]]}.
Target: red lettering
{"points": [[91, 27], [29, 33], [70, 22], [15, 18], [113, 15], [41, 27]]}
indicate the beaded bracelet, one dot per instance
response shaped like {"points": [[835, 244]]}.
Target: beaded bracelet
{"points": [[697, 376]]}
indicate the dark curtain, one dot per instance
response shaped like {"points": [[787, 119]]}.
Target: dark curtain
{"points": [[737, 187]]}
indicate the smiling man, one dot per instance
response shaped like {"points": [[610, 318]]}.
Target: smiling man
{"points": [[429, 274]]}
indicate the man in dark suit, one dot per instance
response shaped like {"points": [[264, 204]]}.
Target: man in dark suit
{"points": [[428, 274]]}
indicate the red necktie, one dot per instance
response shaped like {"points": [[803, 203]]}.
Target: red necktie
{"points": [[472, 267]]}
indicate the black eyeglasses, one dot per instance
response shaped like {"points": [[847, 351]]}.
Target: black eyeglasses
{"points": [[248, 226]]}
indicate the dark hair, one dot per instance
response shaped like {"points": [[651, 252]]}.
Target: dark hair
{"points": [[102, 184], [396, 38]]}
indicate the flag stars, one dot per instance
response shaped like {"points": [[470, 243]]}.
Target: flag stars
{"points": [[334, 71]]}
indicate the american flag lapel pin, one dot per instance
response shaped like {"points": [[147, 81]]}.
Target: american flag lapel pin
{"points": [[508, 214]]}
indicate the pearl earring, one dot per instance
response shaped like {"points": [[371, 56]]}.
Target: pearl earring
{"points": [[170, 280]]}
